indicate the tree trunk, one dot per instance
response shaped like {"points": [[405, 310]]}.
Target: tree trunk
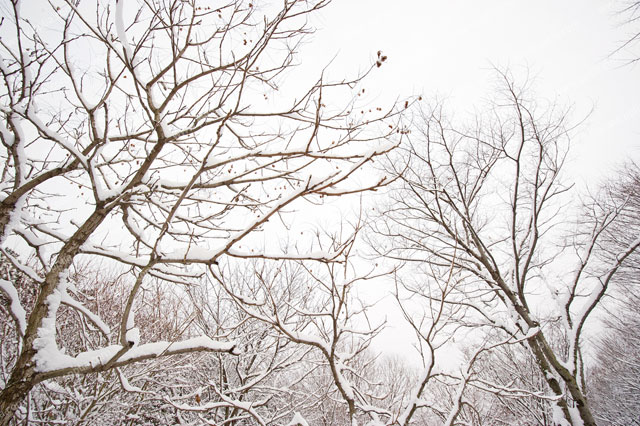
{"points": [[22, 380], [24, 376], [548, 363]]}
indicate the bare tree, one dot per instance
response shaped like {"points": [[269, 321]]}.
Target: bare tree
{"points": [[486, 200], [423, 297], [465, 392], [614, 377], [312, 304], [629, 12], [75, 399], [159, 135], [613, 384]]}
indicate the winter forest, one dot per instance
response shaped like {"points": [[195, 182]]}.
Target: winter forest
{"points": [[199, 225]]}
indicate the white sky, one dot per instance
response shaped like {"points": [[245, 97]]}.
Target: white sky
{"points": [[447, 48]]}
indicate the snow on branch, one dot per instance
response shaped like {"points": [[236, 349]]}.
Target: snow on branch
{"points": [[53, 363], [95, 319], [17, 311], [226, 402]]}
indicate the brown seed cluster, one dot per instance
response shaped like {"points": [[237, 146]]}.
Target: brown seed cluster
{"points": [[381, 58]]}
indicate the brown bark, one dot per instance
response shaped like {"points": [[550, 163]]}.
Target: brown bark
{"points": [[547, 362], [24, 377], [570, 381]]}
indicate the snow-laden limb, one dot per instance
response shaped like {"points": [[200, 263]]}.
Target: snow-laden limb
{"points": [[19, 144], [48, 357], [343, 384], [510, 391], [415, 399], [7, 137], [124, 382], [95, 319], [559, 418], [132, 336], [203, 408], [457, 400], [52, 362], [119, 255], [53, 135], [120, 30], [12, 218], [17, 311]]}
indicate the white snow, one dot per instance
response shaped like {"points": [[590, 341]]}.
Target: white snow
{"points": [[120, 30], [8, 137], [342, 381], [54, 135], [247, 406], [54, 386], [125, 383], [576, 420], [124, 257], [532, 332], [50, 358], [47, 352], [457, 400], [14, 219], [17, 311], [297, 420], [194, 253], [416, 398], [133, 336], [68, 300], [558, 416], [103, 193]]}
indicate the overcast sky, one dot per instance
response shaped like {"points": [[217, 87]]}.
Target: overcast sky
{"points": [[447, 48]]}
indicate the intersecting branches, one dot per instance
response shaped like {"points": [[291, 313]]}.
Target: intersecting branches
{"points": [[160, 135]]}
